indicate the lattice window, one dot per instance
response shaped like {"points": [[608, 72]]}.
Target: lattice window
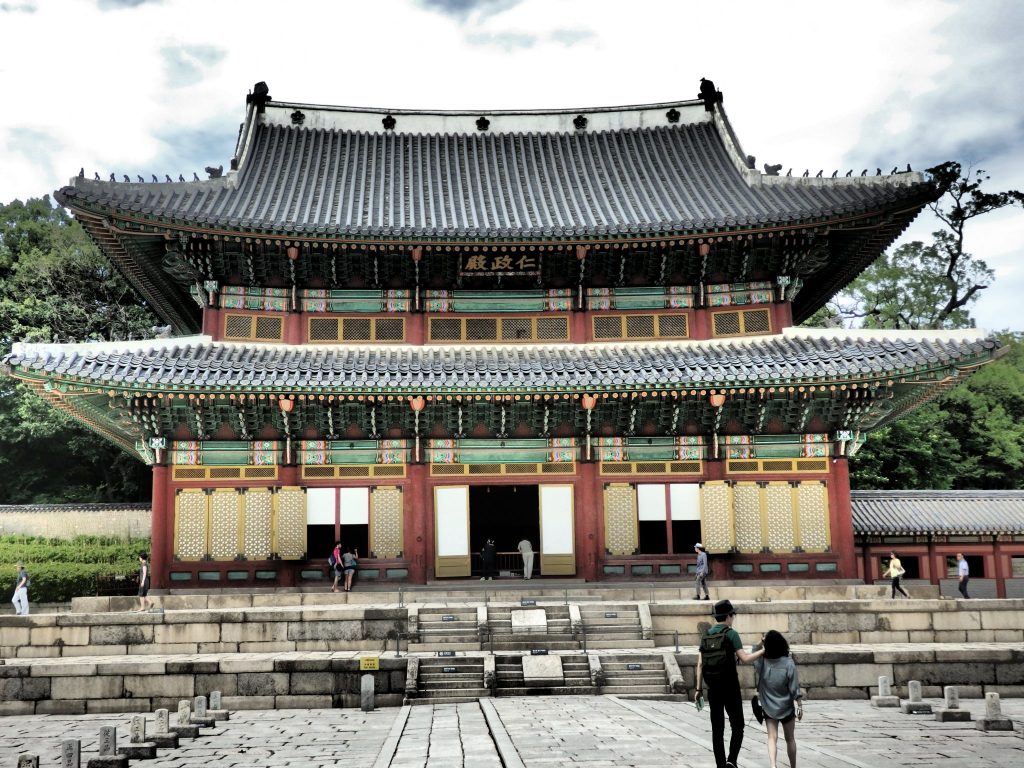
{"points": [[716, 516], [258, 523], [356, 329], [813, 516], [552, 328], [290, 523], [445, 329], [191, 520], [481, 329], [744, 323], [780, 517], [224, 520], [237, 326], [726, 324], [323, 328], [516, 328], [606, 327], [747, 507], [386, 522], [673, 326], [269, 328], [390, 329], [620, 521], [639, 326]]}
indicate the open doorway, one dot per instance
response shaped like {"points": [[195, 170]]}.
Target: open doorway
{"points": [[507, 514]]}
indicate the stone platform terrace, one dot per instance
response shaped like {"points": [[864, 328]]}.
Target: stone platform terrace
{"points": [[601, 732]]}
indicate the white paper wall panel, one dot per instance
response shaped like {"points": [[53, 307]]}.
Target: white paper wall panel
{"points": [[320, 506], [452, 521], [556, 516], [650, 502], [355, 506], [685, 498]]}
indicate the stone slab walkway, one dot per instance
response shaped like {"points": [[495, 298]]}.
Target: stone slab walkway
{"points": [[599, 732]]}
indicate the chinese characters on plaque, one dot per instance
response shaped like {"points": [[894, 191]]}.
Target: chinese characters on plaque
{"points": [[499, 264]]}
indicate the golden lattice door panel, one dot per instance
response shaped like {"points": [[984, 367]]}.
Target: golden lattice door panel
{"points": [[620, 526], [386, 522], [259, 519], [290, 523], [190, 525], [718, 529], [815, 534], [746, 499], [779, 497], [225, 524]]}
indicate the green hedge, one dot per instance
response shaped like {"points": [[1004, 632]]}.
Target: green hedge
{"points": [[60, 569]]}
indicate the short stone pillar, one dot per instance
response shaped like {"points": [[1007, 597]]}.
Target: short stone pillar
{"points": [[366, 687], [914, 705], [137, 747], [216, 711], [108, 757], [71, 753], [993, 719], [162, 735], [885, 697], [183, 726], [28, 761], [199, 716], [950, 711]]}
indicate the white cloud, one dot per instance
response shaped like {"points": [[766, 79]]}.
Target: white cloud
{"points": [[806, 83]]}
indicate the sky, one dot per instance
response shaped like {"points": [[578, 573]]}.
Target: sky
{"points": [[158, 86]]}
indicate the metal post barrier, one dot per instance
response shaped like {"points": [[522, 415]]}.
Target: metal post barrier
{"points": [[566, 595], [675, 637], [401, 597], [584, 628]]}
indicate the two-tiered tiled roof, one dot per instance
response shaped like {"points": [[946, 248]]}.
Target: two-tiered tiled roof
{"points": [[909, 513]]}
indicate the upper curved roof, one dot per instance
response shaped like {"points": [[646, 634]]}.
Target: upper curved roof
{"points": [[648, 170]]}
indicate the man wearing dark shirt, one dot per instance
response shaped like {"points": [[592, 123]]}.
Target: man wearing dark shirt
{"points": [[724, 691]]}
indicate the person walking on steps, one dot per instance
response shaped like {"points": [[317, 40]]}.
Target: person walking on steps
{"points": [[701, 574], [334, 561], [778, 691], [963, 572], [895, 572], [720, 649], [526, 550], [20, 598]]}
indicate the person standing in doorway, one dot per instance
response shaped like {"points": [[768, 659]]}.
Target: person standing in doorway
{"points": [[20, 598], [488, 555], [963, 574], [720, 649], [701, 574], [144, 583], [895, 572], [526, 550]]}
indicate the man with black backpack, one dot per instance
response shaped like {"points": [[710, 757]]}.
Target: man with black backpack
{"points": [[720, 647]]}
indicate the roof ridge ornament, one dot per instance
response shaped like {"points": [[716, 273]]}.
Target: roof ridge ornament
{"points": [[580, 122], [709, 95], [389, 123], [260, 96], [482, 123]]}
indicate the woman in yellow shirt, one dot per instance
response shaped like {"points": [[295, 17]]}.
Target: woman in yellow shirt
{"points": [[895, 572]]}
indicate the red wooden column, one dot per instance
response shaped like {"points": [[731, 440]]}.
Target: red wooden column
{"points": [[211, 323], [414, 512], [589, 506], [162, 523], [841, 518]]}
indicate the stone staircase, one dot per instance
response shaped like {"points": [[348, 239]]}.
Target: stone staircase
{"points": [[575, 672], [634, 675], [613, 625], [557, 637], [454, 680], [447, 628]]}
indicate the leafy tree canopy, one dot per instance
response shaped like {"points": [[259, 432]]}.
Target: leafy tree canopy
{"points": [[56, 286]]}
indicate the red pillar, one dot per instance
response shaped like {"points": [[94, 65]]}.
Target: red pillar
{"points": [[841, 518], [162, 522], [782, 316], [589, 505], [211, 323], [1000, 572], [415, 511]]}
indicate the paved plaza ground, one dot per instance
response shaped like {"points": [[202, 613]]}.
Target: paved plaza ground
{"points": [[596, 731]]}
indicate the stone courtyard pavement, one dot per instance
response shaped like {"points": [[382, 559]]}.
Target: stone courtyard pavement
{"points": [[596, 731]]}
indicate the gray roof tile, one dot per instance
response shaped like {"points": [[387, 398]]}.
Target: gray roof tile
{"points": [[908, 513]]}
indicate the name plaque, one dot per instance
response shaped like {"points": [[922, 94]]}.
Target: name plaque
{"points": [[634, 666], [539, 652], [611, 615], [447, 618], [494, 264], [369, 663], [448, 669], [524, 602], [446, 654]]}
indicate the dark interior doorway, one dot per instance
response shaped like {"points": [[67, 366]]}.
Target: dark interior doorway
{"points": [[507, 514], [319, 542]]}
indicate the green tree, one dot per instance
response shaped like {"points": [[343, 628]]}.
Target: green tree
{"points": [[55, 286]]}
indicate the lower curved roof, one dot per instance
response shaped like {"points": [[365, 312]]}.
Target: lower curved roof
{"points": [[909, 513]]}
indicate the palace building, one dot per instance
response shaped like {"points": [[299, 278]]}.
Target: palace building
{"points": [[415, 331]]}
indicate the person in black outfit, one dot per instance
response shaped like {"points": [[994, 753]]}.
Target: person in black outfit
{"points": [[488, 556], [724, 687]]}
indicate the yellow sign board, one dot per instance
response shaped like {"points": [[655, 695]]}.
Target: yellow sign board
{"points": [[369, 663]]}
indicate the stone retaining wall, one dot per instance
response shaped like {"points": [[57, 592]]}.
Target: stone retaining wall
{"points": [[864, 622], [309, 681], [249, 630]]}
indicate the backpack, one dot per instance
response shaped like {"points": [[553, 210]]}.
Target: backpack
{"points": [[717, 655], [331, 562]]}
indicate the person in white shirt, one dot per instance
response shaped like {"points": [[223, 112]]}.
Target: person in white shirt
{"points": [[526, 550], [963, 574]]}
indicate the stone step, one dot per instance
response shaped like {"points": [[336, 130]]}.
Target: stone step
{"points": [[438, 645], [632, 690], [527, 645], [617, 643], [560, 690], [463, 699]]}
